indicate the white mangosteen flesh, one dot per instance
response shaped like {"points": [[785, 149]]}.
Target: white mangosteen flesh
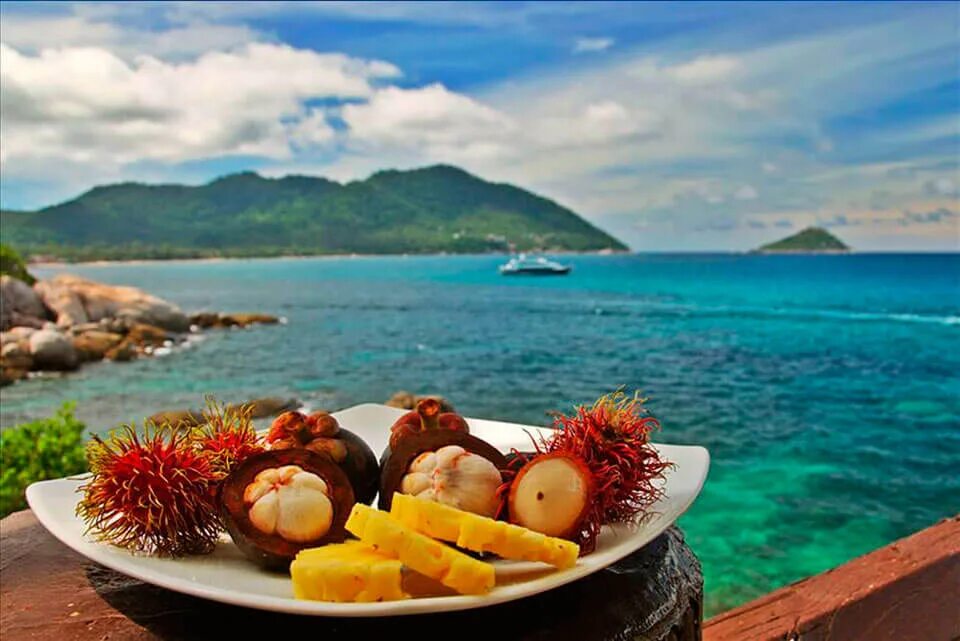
{"points": [[289, 502], [454, 477]]}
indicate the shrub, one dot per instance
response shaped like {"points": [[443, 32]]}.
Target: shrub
{"points": [[12, 264], [44, 449]]}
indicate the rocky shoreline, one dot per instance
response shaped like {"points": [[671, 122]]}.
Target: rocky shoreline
{"points": [[61, 323]]}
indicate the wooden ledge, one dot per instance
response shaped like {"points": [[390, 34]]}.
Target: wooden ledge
{"points": [[50, 593], [906, 591]]}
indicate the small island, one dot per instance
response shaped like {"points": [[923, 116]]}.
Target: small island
{"points": [[812, 240]]}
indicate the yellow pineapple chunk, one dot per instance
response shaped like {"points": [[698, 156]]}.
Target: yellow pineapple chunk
{"points": [[346, 572], [481, 534], [421, 553]]}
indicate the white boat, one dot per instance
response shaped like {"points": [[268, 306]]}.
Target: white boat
{"points": [[524, 265]]}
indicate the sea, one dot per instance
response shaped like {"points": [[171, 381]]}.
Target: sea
{"points": [[826, 387]]}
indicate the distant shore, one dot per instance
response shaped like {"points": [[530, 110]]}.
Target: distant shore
{"points": [[705, 252], [219, 259]]}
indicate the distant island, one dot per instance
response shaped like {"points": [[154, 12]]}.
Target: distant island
{"points": [[430, 210], [812, 240]]}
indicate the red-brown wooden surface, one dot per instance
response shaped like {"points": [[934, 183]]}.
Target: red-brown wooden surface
{"points": [[906, 591]]}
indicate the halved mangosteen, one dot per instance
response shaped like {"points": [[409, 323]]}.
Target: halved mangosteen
{"points": [[440, 461], [321, 433], [277, 503]]}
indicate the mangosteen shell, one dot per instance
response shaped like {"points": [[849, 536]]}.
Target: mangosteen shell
{"points": [[270, 550], [395, 462], [360, 466]]}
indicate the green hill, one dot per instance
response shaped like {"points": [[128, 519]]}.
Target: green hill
{"points": [[434, 209], [811, 239]]}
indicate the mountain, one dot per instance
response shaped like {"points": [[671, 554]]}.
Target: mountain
{"points": [[434, 209], [810, 240]]}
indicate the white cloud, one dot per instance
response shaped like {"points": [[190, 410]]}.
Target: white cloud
{"points": [[33, 33], [745, 192], [429, 119], [590, 45], [769, 168], [86, 104], [706, 70]]}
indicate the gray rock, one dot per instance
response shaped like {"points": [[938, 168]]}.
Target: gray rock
{"points": [[19, 304], [52, 350]]}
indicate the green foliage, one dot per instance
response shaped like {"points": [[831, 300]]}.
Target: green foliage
{"points": [[811, 239], [11, 264], [44, 449], [436, 209]]}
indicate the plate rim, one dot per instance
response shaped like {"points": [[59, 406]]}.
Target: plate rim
{"points": [[91, 550]]}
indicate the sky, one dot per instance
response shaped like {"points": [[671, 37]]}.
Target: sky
{"points": [[673, 126]]}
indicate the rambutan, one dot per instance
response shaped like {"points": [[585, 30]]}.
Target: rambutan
{"points": [[611, 439], [227, 437], [151, 491]]}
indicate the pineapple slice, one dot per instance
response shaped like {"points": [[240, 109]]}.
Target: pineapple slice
{"points": [[346, 572], [482, 534], [421, 553]]}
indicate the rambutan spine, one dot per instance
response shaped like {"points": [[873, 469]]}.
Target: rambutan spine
{"points": [[150, 491], [227, 436]]}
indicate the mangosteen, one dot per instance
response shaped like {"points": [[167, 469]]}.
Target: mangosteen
{"points": [[439, 460], [426, 417], [277, 503], [321, 433]]}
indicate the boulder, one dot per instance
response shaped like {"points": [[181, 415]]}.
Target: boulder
{"points": [[52, 350], [93, 345], [124, 351], [17, 355], [145, 335], [19, 304], [98, 301], [16, 335], [62, 301], [76, 330], [243, 320], [114, 325], [265, 407], [177, 418], [208, 320], [16, 319], [205, 320], [407, 401], [10, 375]]}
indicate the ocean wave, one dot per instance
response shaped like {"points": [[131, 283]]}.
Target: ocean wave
{"points": [[828, 314], [679, 309]]}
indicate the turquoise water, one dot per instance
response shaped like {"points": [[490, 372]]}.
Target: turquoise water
{"points": [[825, 387]]}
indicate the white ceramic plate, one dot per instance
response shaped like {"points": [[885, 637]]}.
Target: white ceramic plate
{"points": [[225, 575]]}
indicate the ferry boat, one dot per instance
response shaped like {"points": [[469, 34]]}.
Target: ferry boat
{"points": [[524, 265]]}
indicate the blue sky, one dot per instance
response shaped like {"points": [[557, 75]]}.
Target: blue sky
{"points": [[675, 126]]}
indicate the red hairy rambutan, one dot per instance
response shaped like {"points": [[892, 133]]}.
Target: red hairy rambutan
{"points": [[612, 439], [151, 491], [227, 437]]}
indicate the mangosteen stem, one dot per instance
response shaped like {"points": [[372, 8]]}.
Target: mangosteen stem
{"points": [[429, 411]]}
